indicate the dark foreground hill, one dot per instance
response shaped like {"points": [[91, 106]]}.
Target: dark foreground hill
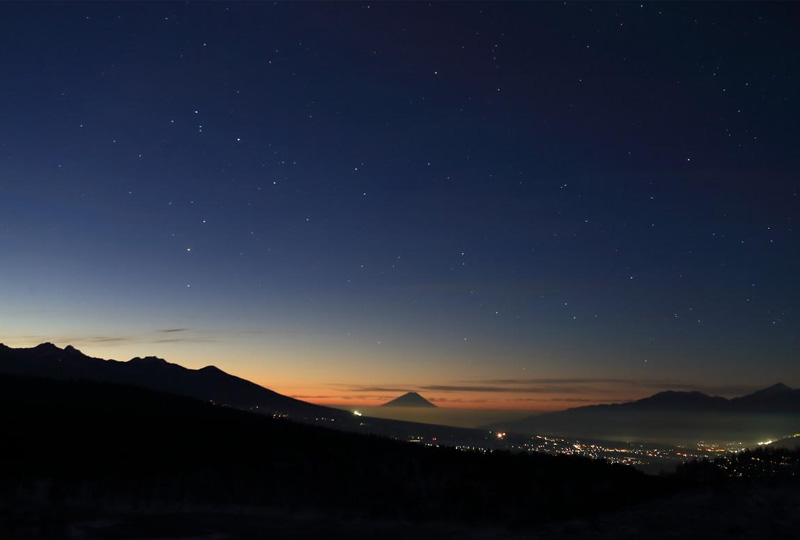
{"points": [[97, 444]]}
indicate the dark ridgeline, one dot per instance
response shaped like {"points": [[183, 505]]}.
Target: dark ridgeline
{"points": [[691, 413], [409, 399], [777, 398], [790, 443], [208, 384], [96, 443]]}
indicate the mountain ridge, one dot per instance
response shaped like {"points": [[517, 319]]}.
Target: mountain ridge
{"points": [[208, 384], [776, 394], [693, 413]]}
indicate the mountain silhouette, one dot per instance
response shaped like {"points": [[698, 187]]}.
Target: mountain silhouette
{"points": [[694, 415], [677, 401], [208, 384], [776, 398], [409, 399]]}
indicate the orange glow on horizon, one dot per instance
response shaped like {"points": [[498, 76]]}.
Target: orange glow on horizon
{"points": [[500, 401], [491, 404], [350, 379]]}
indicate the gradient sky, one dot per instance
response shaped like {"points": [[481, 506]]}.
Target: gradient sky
{"points": [[505, 205]]}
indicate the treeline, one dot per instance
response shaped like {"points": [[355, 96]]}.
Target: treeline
{"points": [[101, 444]]}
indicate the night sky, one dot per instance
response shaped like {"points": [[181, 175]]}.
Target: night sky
{"points": [[506, 205]]}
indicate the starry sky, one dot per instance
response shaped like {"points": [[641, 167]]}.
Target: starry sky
{"points": [[500, 205]]}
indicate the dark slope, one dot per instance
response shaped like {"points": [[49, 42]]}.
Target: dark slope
{"points": [[208, 384], [409, 399], [792, 442], [90, 442]]}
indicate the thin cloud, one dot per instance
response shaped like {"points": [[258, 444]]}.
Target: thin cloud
{"points": [[578, 380], [466, 388], [496, 388], [583, 384], [364, 388], [171, 335], [457, 400], [97, 339], [580, 400], [184, 340]]}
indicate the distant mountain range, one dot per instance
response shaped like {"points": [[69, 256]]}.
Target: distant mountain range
{"points": [[207, 384], [409, 399], [694, 415], [777, 398]]}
